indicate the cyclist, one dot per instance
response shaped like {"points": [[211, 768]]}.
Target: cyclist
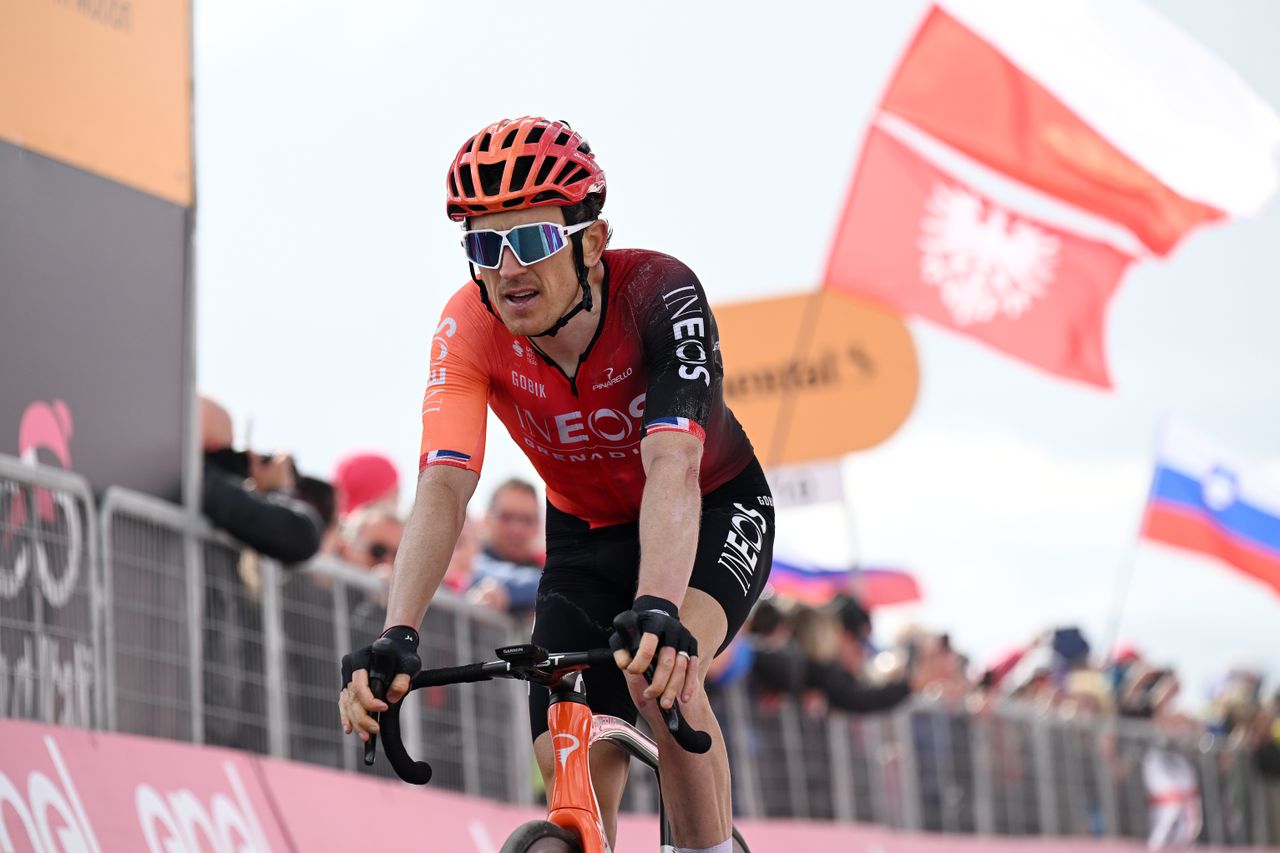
{"points": [[604, 366]]}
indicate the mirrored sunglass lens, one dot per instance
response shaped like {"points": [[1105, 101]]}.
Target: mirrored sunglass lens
{"points": [[532, 243], [483, 247]]}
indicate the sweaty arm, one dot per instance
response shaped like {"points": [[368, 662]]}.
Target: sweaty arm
{"points": [[685, 375], [670, 511]]}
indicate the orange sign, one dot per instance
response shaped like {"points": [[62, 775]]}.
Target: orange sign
{"points": [[816, 375], [104, 86]]}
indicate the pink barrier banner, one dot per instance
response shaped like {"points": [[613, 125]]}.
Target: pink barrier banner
{"points": [[67, 789], [71, 790]]}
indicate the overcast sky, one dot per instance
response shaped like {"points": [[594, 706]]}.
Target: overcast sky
{"points": [[323, 131]]}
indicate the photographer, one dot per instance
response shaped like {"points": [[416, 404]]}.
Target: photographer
{"points": [[252, 497]]}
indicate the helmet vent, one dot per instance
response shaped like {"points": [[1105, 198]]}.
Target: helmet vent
{"points": [[510, 138], [548, 196], [513, 202], [535, 133], [468, 187], [520, 171], [565, 172], [491, 178], [484, 141], [548, 163], [562, 138], [453, 185]]}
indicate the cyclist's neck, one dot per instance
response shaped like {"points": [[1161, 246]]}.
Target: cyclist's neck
{"points": [[568, 345]]}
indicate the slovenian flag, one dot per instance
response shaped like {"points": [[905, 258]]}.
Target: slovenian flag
{"points": [[1205, 501]]}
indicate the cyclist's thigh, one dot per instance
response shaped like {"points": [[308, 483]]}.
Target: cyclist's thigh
{"points": [[735, 546], [590, 577]]}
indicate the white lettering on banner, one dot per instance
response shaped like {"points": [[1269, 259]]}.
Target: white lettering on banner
{"points": [[73, 834], [57, 583], [571, 429], [692, 353], [231, 825], [743, 544], [64, 690], [800, 485], [435, 368]]}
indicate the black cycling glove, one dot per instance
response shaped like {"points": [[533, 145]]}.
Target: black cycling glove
{"points": [[396, 651], [652, 615]]}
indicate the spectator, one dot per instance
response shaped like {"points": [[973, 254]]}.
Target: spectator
{"points": [[252, 496], [364, 479], [371, 539], [844, 641], [506, 572], [321, 496], [1266, 758], [777, 669], [457, 576]]}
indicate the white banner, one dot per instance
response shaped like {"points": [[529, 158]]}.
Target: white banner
{"points": [[809, 483]]}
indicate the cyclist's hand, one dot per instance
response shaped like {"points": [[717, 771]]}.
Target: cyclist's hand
{"points": [[650, 634], [357, 702]]}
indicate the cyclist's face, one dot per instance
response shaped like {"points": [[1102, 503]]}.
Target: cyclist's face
{"points": [[529, 299]]}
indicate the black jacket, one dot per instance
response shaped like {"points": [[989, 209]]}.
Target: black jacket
{"points": [[846, 693], [273, 524]]}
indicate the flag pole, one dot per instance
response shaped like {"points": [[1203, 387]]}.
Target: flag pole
{"points": [[786, 404], [1124, 579]]}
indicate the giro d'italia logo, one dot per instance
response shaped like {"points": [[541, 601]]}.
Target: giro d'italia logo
{"points": [[984, 261]]}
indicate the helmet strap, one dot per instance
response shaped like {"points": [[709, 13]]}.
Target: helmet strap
{"points": [[484, 294], [585, 303]]}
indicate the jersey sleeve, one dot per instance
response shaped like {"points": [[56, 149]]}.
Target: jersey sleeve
{"points": [[455, 405], [682, 353]]}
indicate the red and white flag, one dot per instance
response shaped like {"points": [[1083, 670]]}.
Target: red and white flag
{"points": [[925, 243], [1098, 111], [1102, 103]]}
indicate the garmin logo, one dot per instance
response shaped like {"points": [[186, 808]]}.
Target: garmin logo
{"points": [[610, 380], [537, 389]]}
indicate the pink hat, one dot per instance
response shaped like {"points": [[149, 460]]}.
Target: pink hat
{"points": [[363, 478]]}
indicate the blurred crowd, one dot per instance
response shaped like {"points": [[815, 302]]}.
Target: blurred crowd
{"points": [[824, 653]]}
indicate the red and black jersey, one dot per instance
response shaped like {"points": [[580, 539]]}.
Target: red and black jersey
{"points": [[654, 364]]}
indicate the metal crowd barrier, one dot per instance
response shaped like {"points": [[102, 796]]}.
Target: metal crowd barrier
{"points": [[51, 650], [173, 630]]}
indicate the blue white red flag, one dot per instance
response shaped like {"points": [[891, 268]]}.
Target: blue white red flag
{"points": [[1204, 500], [814, 584]]}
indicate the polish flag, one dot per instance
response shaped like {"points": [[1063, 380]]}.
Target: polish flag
{"points": [[1202, 499], [1102, 103], [923, 242]]}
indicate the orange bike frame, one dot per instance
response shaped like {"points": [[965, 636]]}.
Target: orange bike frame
{"points": [[573, 805]]}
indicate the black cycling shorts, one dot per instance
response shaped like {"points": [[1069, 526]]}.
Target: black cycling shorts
{"points": [[590, 577]]}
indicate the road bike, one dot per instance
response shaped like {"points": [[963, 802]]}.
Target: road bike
{"points": [[573, 823]]}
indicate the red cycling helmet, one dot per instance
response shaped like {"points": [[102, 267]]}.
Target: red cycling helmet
{"points": [[520, 163]]}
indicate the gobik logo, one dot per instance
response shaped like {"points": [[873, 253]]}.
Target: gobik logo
{"points": [[44, 437]]}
